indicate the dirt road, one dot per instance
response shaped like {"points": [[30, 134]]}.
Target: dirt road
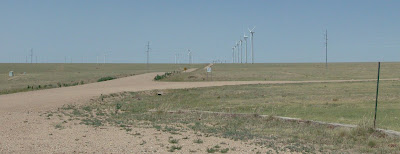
{"points": [[23, 130]]}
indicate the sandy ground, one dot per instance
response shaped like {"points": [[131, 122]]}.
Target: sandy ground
{"points": [[23, 130]]}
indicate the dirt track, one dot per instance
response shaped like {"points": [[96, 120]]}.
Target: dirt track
{"points": [[22, 130]]}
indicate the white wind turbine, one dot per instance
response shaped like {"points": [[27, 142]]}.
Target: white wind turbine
{"points": [[241, 51], [245, 39], [238, 56], [252, 44], [233, 54]]}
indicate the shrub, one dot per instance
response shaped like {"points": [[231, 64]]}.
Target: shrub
{"points": [[106, 78]]}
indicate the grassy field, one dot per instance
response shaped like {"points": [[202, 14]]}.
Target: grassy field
{"points": [[351, 103], [300, 71], [56, 75]]}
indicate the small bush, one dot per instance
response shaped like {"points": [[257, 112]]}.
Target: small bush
{"points": [[173, 141], [371, 143], [225, 150], [173, 148], [198, 141], [106, 78], [159, 77], [211, 150]]}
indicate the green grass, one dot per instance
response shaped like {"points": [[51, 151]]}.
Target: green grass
{"points": [[291, 71], [44, 76], [332, 102]]}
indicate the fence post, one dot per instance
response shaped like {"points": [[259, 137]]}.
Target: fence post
{"points": [[377, 92]]}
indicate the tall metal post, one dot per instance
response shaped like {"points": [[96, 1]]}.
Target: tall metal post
{"points": [[148, 50], [377, 92], [326, 49]]}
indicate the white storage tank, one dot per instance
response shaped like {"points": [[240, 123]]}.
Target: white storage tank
{"points": [[11, 74]]}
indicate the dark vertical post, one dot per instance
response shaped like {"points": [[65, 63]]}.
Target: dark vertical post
{"points": [[326, 49], [377, 92]]}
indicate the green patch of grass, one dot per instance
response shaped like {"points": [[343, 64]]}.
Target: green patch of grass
{"points": [[269, 132], [173, 148], [291, 71], [93, 122], [211, 150], [106, 78], [59, 126], [45, 76], [224, 150]]}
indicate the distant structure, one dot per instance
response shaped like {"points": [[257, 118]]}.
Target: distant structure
{"points": [[326, 49], [241, 51], [190, 56], [148, 50], [245, 39], [238, 56], [233, 54], [31, 55], [252, 44]]}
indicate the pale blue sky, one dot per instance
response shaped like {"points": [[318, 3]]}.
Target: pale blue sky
{"points": [[287, 31]]}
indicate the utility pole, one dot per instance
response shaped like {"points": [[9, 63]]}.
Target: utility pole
{"points": [[326, 49], [148, 50], [31, 55]]}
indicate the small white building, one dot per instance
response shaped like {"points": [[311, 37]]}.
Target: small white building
{"points": [[11, 74]]}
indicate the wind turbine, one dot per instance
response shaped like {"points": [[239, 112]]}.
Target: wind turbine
{"points": [[237, 44], [245, 39], [190, 56], [241, 51], [233, 54], [252, 44]]}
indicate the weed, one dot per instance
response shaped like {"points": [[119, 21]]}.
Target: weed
{"points": [[173, 141], [371, 143], [173, 148], [198, 141], [224, 150], [211, 150], [59, 126]]}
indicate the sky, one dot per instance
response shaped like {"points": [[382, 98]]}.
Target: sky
{"points": [[287, 31]]}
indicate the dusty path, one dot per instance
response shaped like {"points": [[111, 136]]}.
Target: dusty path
{"points": [[23, 130]]}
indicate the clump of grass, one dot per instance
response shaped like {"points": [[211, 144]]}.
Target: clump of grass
{"points": [[173, 148], [211, 150], [198, 141], [59, 126], [371, 143], [106, 78], [224, 150], [159, 77], [173, 141]]}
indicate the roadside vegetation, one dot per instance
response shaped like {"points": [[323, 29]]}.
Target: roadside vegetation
{"points": [[332, 102], [29, 77], [291, 72]]}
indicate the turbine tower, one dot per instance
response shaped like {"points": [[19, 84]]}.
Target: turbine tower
{"points": [[326, 49], [241, 51], [252, 44], [190, 56], [245, 39], [233, 54], [238, 56]]}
